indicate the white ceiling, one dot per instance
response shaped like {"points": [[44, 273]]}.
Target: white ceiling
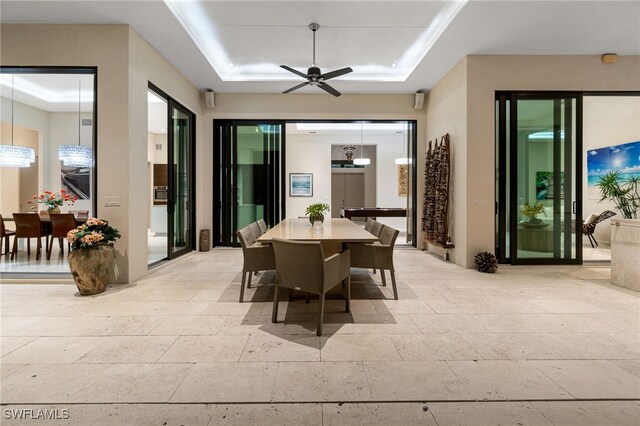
{"points": [[369, 36], [50, 92]]}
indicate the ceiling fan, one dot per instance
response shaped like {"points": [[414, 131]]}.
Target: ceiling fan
{"points": [[314, 76]]}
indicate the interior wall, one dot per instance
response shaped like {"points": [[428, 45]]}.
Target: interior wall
{"points": [[488, 74], [18, 184], [370, 184], [446, 106], [608, 120], [308, 154]]}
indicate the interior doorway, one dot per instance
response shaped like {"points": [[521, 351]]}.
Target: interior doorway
{"points": [[347, 190]]}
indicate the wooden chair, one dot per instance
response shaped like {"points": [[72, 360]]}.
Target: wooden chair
{"points": [[4, 235], [255, 257], [61, 224], [589, 227], [80, 214], [301, 265], [29, 225], [377, 256]]}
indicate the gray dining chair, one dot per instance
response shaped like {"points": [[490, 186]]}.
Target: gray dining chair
{"points": [[262, 225], [368, 226], [255, 229], [301, 265], [255, 257], [377, 256]]}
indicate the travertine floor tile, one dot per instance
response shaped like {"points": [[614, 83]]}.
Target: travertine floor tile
{"points": [[433, 347], [206, 349], [377, 414], [12, 325], [128, 349], [414, 380], [487, 414], [71, 414], [591, 379], [591, 413], [189, 326], [241, 382], [155, 414], [11, 344], [506, 380], [50, 350], [358, 347], [265, 347], [124, 326], [268, 415], [320, 381]]}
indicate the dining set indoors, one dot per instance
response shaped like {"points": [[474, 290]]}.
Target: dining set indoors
{"points": [[316, 260]]}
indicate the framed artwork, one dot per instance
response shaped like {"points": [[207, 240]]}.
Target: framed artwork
{"points": [[544, 185], [76, 181], [623, 158], [403, 180], [300, 184]]}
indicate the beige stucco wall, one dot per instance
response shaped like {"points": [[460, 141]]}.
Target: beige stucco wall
{"points": [[446, 106], [485, 76], [125, 63]]}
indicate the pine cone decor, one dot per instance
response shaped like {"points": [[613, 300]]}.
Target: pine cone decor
{"points": [[486, 262]]}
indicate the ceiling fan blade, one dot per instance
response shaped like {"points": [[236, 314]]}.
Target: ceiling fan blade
{"points": [[296, 72], [329, 89], [296, 87], [336, 73]]}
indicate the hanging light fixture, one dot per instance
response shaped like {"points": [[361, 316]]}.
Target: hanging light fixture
{"points": [[404, 159], [362, 161], [12, 155], [76, 155]]}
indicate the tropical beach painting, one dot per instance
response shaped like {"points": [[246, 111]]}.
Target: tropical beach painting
{"points": [[623, 158], [300, 184]]}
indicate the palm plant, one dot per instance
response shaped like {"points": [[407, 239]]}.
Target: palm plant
{"points": [[623, 193]]}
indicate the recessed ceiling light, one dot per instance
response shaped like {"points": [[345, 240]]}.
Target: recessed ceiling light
{"points": [[393, 65], [230, 64]]}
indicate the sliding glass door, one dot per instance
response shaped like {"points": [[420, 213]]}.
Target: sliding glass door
{"points": [[539, 178], [250, 178]]}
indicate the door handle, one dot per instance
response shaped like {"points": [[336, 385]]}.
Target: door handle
{"points": [[574, 207]]}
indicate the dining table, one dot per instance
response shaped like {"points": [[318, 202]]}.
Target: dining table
{"points": [[334, 233]]}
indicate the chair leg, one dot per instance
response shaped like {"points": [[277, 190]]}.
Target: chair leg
{"points": [[244, 274], [49, 249], [6, 244], [249, 283], [594, 240], [320, 314], [393, 283], [28, 246], [274, 314], [60, 244], [39, 248], [384, 279], [348, 298], [15, 247], [374, 271]]}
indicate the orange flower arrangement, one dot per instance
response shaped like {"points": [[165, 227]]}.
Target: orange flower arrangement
{"points": [[52, 200]]}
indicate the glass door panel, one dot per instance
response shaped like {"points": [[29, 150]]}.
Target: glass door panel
{"points": [[180, 204], [543, 175], [250, 176]]}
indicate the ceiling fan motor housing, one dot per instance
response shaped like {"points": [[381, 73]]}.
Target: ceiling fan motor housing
{"points": [[313, 73]]}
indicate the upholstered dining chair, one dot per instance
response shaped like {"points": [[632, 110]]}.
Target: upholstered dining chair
{"points": [[376, 228], [29, 225], [61, 224], [262, 225], [377, 256], [589, 225], [255, 257], [4, 236], [301, 265], [368, 226], [255, 229]]}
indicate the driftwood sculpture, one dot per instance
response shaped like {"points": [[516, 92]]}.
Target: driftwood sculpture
{"points": [[435, 210]]}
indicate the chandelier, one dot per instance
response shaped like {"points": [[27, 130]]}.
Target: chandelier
{"points": [[76, 155], [362, 161], [12, 155]]}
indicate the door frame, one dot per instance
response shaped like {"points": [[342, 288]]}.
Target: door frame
{"points": [[503, 199], [191, 180], [220, 169]]}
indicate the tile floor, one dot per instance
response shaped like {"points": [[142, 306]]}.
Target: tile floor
{"points": [[527, 346]]}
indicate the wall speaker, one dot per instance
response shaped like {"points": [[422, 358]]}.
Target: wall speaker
{"points": [[209, 98], [419, 100]]}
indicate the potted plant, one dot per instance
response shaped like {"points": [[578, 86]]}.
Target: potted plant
{"points": [[624, 194], [531, 211], [316, 212], [92, 257], [52, 200]]}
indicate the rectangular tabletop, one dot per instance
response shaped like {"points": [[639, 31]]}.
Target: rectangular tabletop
{"points": [[336, 230]]}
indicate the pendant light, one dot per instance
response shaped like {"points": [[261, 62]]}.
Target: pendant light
{"points": [[12, 155], [76, 155], [362, 161], [404, 159]]}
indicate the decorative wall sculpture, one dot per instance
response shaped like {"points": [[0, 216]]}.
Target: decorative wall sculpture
{"points": [[435, 210]]}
